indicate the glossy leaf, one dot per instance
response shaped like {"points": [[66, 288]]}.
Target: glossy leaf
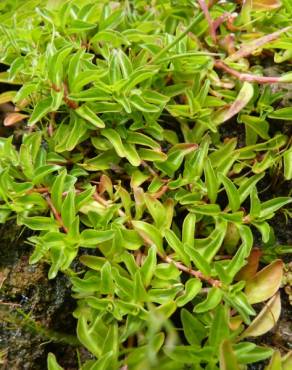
{"points": [[192, 288], [266, 319], [265, 283], [243, 98], [213, 299], [52, 362]]}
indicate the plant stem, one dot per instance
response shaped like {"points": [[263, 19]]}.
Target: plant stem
{"points": [[246, 76], [205, 10], [177, 39], [56, 214], [198, 274]]}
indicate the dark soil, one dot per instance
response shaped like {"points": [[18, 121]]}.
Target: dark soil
{"points": [[36, 313]]}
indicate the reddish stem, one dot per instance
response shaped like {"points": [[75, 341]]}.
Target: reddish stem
{"points": [[160, 192], [71, 104], [196, 273], [205, 10], [246, 76], [39, 190], [56, 214]]}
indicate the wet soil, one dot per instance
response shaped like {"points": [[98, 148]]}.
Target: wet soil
{"points": [[35, 313]]}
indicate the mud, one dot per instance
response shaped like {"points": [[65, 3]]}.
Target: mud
{"points": [[35, 313]]}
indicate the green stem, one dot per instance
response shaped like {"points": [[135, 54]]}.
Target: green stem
{"points": [[196, 21]]}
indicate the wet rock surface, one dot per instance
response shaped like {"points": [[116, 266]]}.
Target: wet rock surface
{"points": [[35, 313]]}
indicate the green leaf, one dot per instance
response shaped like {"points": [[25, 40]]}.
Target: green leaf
{"points": [[287, 361], [101, 162], [232, 192], [219, 328], [139, 294], [199, 261], [156, 210], [247, 352], [287, 159], [86, 336], [73, 68], [84, 111], [93, 94], [269, 207], [132, 239], [257, 124], [167, 271], [44, 171], [149, 265], [255, 204], [192, 288], [275, 363], [177, 246], [115, 140], [106, 281], [149, 233], [55, 65], [75, 131], [152, 155], [131, 154], [38, 223], [246, 188], [68, 208], [213, 299], [57, 190], [52, 362], [141, 139], [211, 181], [78, 25], [188, 230], [164, 311], [192, 355], [41, 109], [175, 157], [90, 238], [194, 330], [238, 261], [244, 96], [283, 114], [93, 262], [7, 96], [137, 77], [227, 357], [194, 165]]}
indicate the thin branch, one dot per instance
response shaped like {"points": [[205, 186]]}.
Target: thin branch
{"points": [[196, 21], [39, 190], [71, 104], [56, 214], [160, 192], [10, 304], [196, 273], [205, 10], [246, 76]]}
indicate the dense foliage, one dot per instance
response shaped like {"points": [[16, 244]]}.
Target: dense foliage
{"points": [[143, 141]]}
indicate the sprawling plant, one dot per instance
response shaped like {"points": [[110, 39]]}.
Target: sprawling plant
{"points": [[119, 159]]}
